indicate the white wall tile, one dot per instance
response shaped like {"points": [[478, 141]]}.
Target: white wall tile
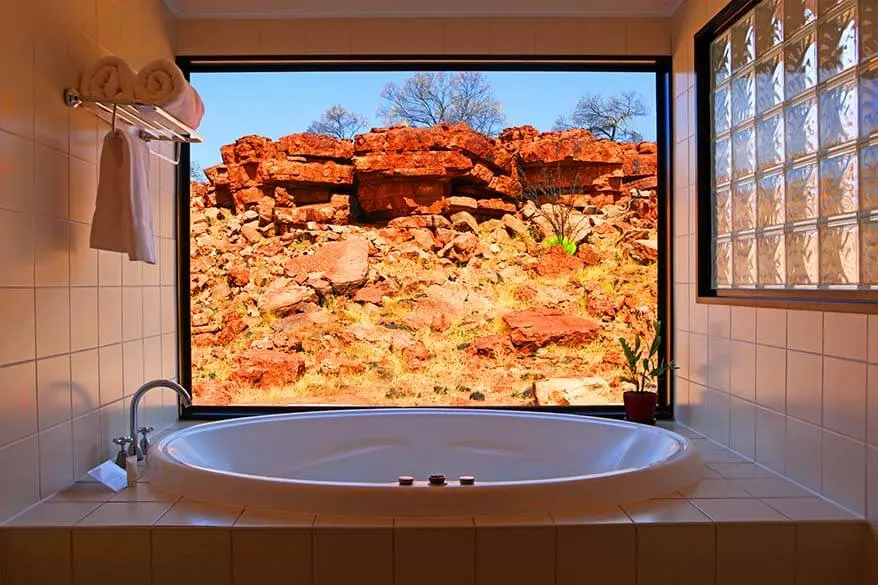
{"points": [[805, 331], [22, 456], [699, 365], [56, 458], [873, 338], [844, 397], [18, 402], [771, 377], [804, 463], [109, 314], [743, 323], [844, 471], [845, 335], [718, 416], [872, 484], [743, 366], [18, 315], [53, 390], [742, 427], [85, 381], [719, 320], [872, 406], [112, 381], [805, 386], [771, 327], [53, 321], [719, 355], [770, 439], [83, 318]]}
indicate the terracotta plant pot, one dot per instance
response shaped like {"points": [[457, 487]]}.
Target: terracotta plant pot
{"points": [[640, 406]]}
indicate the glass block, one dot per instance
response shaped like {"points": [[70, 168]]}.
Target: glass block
{"points": [[800, 64], [769, 142], [869, 178], [743, 43], [770, 209], [722, 110], [722, 201], [721, 57], [839, 254], [868, 29], [743, 152], [869, 253], [769, 26], [838, 185], [743, 98], [869, 101], [771, 258], [744, 206], [801, 249], [769, 83], [722, 267], [838, 113], [722, 162], [801, 199], [801, 129], [838, 43], [826, 5], [744, 261], [798, 13]]}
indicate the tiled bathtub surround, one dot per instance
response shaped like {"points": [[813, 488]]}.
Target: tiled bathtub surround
{"points": [[80, 329], [740, 524]]}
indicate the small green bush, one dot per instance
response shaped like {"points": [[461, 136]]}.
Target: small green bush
{"points": [[568, 246]]}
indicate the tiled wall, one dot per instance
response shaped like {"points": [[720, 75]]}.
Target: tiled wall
{"points": [[796, 390], [79, 330], [464, 36]]}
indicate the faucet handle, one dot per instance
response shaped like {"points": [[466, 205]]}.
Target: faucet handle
{"points": [[122, 441], [145, 430]]}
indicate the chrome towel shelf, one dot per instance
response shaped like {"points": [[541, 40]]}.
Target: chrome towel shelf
{"points": [[153, 122]]}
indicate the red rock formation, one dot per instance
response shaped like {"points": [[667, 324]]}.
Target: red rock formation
{"points": [[267, 368], [533, 328]]}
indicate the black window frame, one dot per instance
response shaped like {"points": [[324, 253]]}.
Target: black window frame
{"points": [[657, 64], [834, 300]]}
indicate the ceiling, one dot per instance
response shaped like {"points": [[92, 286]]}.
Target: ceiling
{"points": [[419, 8]]}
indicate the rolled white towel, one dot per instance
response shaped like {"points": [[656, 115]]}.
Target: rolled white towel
{"points": [[162, 83], [109, 78]]}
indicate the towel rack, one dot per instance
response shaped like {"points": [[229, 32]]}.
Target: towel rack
{"points": [[153, 122]]}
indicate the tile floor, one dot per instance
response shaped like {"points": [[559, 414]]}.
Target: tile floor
{"points": [[741, 524]]}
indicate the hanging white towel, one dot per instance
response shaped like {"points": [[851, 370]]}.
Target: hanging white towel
{"points": [[162, 83], [123, 213], [110, 78]]}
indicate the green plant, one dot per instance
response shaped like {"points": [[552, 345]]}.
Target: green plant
{"points": [[550, 196], [568, 246], [640, 367]]}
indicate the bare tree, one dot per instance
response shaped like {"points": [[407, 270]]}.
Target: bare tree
{"points": [[606, 117], [196, 173], [338, 122], [430, 98]]}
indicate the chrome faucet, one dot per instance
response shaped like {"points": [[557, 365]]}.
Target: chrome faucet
{"points": [[140, 449]]}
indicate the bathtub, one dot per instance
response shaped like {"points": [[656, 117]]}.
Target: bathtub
{"points": [[350, 462]]}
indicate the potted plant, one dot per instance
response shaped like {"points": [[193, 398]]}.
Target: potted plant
{"points": [[643, 366]]}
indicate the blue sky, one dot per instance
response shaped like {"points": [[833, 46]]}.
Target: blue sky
{"points": [[276, 104]]}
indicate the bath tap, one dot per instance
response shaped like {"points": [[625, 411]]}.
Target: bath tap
{"points": [[140, 449]]}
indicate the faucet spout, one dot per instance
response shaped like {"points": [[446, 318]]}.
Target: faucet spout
{"points": [[185, 399]]}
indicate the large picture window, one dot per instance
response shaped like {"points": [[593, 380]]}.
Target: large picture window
{"points": [[788, 151], [417, 232]]}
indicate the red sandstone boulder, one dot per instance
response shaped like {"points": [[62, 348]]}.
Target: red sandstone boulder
{"points": [[316, 146], [336, 212], [401, 198], [374, 293], [344, 264], [305, 173], [286, 299], [433, 164], [555, 261], [248, 149], [265, 368], [534, 328], [214, 392], [441, 137], [491, 345]]}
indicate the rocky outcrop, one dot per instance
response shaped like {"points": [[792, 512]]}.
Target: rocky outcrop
{"points": [[534, 328], [267, 368], [401, 171], [571, 391], [343, 264]]}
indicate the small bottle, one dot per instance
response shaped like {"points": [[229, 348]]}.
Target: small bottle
{"points": [[131, 470]]}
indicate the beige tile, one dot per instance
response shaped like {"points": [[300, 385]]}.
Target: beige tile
{"points": [[132, 368], [611, 516], [191, 513], [83, 259], [773, 487], [51, 253], [830, 553], [771, 327], [87, 442], [56, 458], [53, 390], [771, 377], [714, 488], [52, 176], [98, 555], [664, 512], [605, 549], [83, 318], [355, 522], [514, 520], [109, 315], [271, 556], [845, 335], [844, 397], [742, 426], [844, 472], [757, 554], [132, 313], [352, 555], [54, 514], [770, 439], [191, 555], [416, 560], [515, 554], [17, 252], [741, 470], [144, 492], [676, 555], [719, 374], [259, 518], [53, 321], [18, 402], [809, 509], [84, 492], [111, 380], [126, 514], [738, 510], [743, 323], [17, 314], [805, 386], [805, 331], [85, 381], [35, 556]]}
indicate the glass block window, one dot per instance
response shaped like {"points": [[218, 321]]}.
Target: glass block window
{"points": [[793, 127]]}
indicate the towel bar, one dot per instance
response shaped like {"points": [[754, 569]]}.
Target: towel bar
{"points": [[154, 122]]}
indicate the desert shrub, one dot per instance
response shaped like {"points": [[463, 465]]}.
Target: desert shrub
{"points": [[568, 246]]}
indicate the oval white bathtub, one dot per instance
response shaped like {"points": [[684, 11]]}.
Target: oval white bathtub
{"points": [[349, 462]]}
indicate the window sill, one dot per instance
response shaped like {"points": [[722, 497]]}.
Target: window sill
{"points": [[805, 302]]}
